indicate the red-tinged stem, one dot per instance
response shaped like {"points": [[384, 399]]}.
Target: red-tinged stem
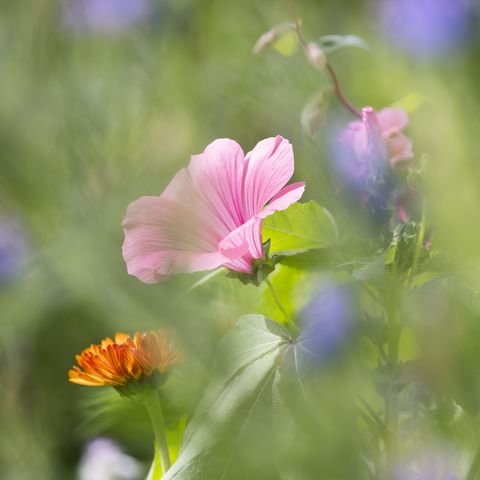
{"points": [[338, 92], [337, 88]]}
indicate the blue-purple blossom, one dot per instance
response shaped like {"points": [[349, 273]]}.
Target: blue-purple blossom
{"points": [[425, 28], [13, 249], [327, 323], [432, 465], [103, 459], [106, 16]]}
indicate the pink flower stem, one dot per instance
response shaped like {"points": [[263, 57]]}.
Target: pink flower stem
{"points": [[337, 88]]}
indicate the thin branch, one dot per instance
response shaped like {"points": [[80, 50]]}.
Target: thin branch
{"points": [[338, 92], [337, 88]]}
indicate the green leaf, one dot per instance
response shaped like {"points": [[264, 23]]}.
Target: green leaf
{"points": [[331, 43], [466, 294], [371, 272], [280, 37], [286, 44], [390, 255], [264, 411], [301, 227], [409, 347], [291, 286], [314, 112], [248, 359], [426, 277], [411, 102], [318, 259]]}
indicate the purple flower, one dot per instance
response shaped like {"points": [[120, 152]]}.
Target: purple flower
{"points": [[13, 249], [363, 155], [430, 465], [103, 459], [106, 16], [425, 28], [328, 321]]}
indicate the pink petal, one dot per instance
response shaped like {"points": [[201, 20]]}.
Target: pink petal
{"points": [[375, 147], [217, 175], [399, 149], [243, 246], [163, 236], [270, 167], [207, 215], [392, 120], [402, 213], [287, 195], [350, 134], [180, 187], [355, 138]]}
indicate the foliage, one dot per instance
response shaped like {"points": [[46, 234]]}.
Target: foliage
{"points": [[386, 258]]}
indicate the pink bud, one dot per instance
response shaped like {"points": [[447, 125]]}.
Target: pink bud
{"points": [[316, 56]]}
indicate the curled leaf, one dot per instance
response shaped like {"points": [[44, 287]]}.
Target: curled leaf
{"points": [[411, 102], [314, 112], [331, 43], [277, 35]]}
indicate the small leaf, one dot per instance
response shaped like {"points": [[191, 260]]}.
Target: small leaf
{"points": [[317, 259], [425, 277], [272, 35], [467, 295], [301, 227], [391, 251], [411, 102], [286, 43], [314, 113], [331, 43], [372, 271], [390, 255], [409, 347]]}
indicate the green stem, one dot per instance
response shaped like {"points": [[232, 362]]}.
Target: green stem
{"points": [[391, 400], [152, 403], [288, 319], [418, 246], [474, 467]]}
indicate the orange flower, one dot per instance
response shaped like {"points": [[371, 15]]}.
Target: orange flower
{"points": [[143, 358]]}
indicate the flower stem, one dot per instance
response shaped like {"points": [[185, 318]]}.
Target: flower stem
{"points": [[336, 84], [275, 296], [341, 97], [391, 399], [474, 467], [152, 403], [418, 246]]}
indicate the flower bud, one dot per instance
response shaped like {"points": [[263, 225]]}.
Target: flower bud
{"points": [[316, 56]]}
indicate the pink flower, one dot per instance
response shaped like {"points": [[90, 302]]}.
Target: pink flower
{"points": [[211, 213], [378, 138]]}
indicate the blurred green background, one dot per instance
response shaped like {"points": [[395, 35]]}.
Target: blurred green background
{"points": [[93, 117]]}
